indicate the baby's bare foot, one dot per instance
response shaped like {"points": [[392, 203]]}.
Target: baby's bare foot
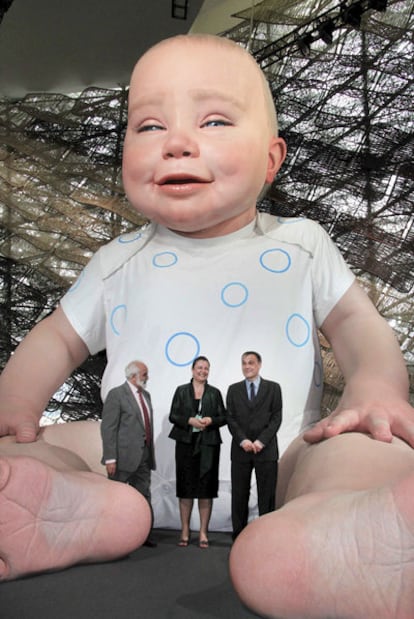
{"points": [[52, 519], [339, 556]]}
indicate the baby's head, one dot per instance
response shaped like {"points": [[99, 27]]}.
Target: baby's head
{"points": [[202, 137]]}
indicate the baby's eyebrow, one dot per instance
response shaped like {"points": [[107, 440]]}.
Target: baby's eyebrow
{"points": [[205, 94], [144, 100], [197, 94]]}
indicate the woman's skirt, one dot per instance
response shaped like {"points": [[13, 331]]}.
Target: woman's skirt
{"points": [[188, 459]]}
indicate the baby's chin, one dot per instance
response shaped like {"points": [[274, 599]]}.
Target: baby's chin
{"points": [[188, 221], [186, 227], [203, 233]]}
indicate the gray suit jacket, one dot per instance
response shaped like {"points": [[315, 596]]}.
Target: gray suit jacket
{"points": [[122, 429]]}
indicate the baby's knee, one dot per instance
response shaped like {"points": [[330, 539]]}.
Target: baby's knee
{"points": [[266, 563], [249, 562], [131, 513], [239, 566]]}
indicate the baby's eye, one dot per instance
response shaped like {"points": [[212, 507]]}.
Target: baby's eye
{"points": [[217, 122], [150, 127]]}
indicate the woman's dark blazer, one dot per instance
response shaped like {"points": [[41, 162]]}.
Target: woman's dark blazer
{"points": [[182, 408]]}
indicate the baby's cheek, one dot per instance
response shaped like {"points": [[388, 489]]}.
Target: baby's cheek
{"points": [[130, 167]]}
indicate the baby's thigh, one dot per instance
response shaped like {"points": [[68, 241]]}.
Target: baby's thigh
{"points": [[58, 458], [82, 438], [350, 461]]}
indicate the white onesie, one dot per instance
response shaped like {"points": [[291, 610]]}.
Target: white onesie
{"points": [[162, 298]]}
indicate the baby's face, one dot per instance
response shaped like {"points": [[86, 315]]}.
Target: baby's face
{"points": [[198, 147]]}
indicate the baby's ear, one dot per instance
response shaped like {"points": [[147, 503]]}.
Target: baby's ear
{"points": [[277, 154]]}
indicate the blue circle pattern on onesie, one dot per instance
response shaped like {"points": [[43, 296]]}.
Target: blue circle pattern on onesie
{"points": [[165, 259], [186, 339], [278, 260], [129, 237], [183, 339], [270, 260], [118, 318], [294, 330], [234, 294]]}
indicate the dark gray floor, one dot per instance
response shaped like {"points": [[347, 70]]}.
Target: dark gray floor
{"points": [[166, 582]]}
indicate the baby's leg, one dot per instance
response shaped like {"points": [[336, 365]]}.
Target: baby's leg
{"points": [[342, 545], [82, 438], [65, 446], [58, 458], [54, 512]]}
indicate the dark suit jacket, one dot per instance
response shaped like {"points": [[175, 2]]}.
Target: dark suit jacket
{"points": [[122, 429], [258, 419], [182, 409]]}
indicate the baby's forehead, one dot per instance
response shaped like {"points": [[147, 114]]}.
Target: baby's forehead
{"points": [[187, 49], [205, 62]]}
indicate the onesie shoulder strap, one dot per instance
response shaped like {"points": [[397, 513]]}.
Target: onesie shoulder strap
{"points": [[117, 252]]}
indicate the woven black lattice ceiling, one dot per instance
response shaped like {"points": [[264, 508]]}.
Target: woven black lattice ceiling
{"points": [[345, 110]]}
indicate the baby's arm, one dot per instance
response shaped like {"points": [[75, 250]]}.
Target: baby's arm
{"points": [[39, 365], [375, 398]]}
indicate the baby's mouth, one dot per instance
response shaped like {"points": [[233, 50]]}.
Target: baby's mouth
{"points": [[181, 179]]}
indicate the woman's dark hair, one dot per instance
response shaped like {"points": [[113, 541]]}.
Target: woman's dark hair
{"points": [[200, 358]]}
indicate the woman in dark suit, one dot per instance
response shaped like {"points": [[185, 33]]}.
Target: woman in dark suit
{"points": [[197, 412]]}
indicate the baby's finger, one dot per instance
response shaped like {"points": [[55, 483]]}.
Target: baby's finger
{"points": [[344, 421], [316, 433], [379, 428], [26, 432], [405, 430]]}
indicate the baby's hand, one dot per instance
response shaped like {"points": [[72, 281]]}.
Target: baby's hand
{"points": [[24, 426], [382, 420]]}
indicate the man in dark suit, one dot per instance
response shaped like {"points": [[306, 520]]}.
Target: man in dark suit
{"points": [[127, 432], [254, 410]]}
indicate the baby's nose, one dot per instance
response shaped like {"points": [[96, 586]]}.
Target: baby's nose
{"points": [[180, 144]]}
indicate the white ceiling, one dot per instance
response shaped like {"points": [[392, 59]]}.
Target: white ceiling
{"points": [[66, 46]]}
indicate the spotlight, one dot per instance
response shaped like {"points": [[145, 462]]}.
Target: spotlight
{"points": [[304, 42], [351, 15], [179, 9], [326, 30]]}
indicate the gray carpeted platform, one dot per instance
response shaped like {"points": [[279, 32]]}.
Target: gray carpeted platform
{"points": [[166, 582]]}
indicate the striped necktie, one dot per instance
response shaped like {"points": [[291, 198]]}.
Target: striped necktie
{"points": [[146, 418]]}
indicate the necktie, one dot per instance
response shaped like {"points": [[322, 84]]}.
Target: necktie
{"points": [[252, 394], [146, 418]]}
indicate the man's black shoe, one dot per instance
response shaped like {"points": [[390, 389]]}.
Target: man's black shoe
{"points": [[150, 543]]}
